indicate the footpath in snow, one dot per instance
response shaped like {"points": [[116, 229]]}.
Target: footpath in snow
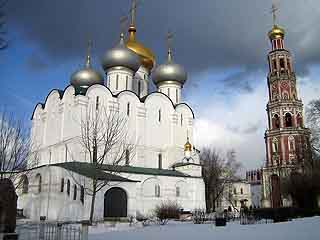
{"points": [[298, 229]]}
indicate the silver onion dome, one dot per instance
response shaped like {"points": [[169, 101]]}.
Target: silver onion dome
{"points": [[169, 72], [121, 56], [86, 76]]}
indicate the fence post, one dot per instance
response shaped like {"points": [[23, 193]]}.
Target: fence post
{"points": [[42, 227], [84, 229]]}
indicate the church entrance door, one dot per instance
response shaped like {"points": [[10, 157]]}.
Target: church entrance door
{"points": [[275, 191], [115, 203]]}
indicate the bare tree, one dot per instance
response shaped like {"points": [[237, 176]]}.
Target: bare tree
{"points": [[17, 153], [105, 139], [3, 41], [218, 171], [313, 121]]}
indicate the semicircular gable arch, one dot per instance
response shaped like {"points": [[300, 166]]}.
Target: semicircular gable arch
{"points": [[184, 106]]}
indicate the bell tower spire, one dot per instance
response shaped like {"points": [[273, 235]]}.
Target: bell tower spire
{"points": [[286, 138]]}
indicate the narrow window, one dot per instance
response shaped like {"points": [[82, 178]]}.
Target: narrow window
{"points": [[235, 203], [234, 191], [177, 191], [282, 63], [168, 90], [128, 109], [68, 187], [274, 65], [181, 119], [157, 190], [276, 120], [177, 96], [25, 184], [38, 177], [144, 76], [159, 115], [109, 83], [289, 65], [117, 82], [275, 145], [241, 191], [62, 185], [288, 120], [127, 82], [97, 103], [160, 161], [127, 157], [65, 153], [139, 88], [75, 192], [82, 194]]}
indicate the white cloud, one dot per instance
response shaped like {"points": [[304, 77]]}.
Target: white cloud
{"points": [[240, 121]]}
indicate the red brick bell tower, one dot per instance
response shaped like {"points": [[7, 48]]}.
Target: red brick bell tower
{"points": [[286, 137]]}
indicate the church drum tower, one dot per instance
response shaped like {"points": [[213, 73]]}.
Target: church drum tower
{"points": [[286, 139]]}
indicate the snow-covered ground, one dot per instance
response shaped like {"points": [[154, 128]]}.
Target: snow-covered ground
{"points": [[299, 229]]}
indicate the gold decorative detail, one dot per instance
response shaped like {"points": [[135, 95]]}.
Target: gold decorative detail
{"points": [[276, 33], [145, 54], [188, 146]]}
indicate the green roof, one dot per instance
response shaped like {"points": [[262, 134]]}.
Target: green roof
{"points": [[90, 171], [145, 171]]}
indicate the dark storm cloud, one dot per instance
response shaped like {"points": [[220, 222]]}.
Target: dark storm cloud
{"points": [[208, 33]]}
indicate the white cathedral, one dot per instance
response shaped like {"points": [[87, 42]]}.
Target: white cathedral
{"points": [[164, 165]]}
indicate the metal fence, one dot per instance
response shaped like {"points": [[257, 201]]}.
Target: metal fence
{"points": [[52, 231]]}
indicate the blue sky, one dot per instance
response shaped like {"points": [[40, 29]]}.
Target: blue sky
{"points": [[222, 44]]}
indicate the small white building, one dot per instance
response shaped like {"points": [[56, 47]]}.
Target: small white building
{"points": [[162, 168], [235, 193]]}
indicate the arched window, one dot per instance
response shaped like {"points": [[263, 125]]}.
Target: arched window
{"points": [[68, 187], [62, 185], [160, 161], [157, 190], [82, 194], [288, 120], [241, 191], [282, 65], [285, 96], [275, 148], [289, 65], [276, 121], [177, 191], [291, 143], [127, 157], [75, 192], [159, 115], [25, 184], [274, 65], [39, 180], [234, 191], [128, 109], [299, 120], [117, 82]]}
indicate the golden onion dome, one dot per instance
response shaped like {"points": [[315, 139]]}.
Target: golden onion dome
{"points": [[146, 56], [276, 33], [188, 146]]}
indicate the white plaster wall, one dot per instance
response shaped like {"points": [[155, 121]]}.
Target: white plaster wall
{"points": [[57, 127], [57, 205], [124, 82], [172, 90]]}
